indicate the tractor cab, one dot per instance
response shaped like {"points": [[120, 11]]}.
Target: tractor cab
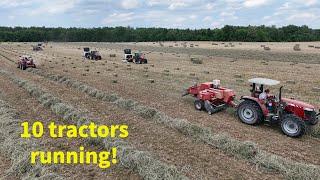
{"points": [[128, 57], [86, 52], [292, 115], [258, 86]]}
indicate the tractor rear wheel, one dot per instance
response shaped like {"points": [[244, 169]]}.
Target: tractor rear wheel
{"points": [[293, 126], [250, 113], [198, 104]]}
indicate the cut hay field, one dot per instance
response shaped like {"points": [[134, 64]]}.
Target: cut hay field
{"points": [[168, 139]]}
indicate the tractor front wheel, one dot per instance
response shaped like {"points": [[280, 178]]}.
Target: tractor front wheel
{"points": [[250, 113], [198, 104], [293, 126]]}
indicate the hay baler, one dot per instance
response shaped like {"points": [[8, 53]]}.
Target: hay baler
{"points": [[211, 97]]}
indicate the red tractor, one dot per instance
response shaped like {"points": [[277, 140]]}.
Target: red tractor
{"points": [[211, 97], [292, 115], [25, 61]]}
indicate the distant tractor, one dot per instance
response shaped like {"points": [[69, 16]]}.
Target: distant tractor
{"points": [[139, 58], [94, 55], [292, 115], [25, 61], [37, 48], [209, 96], [128, 57]]}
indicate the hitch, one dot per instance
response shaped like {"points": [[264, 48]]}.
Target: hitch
{"points": [[186, 92]]}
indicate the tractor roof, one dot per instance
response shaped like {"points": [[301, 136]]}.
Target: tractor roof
{"points": [[264, 81], [26, 56]]}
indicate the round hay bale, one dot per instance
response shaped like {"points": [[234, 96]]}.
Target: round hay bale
{"points": [[146, 75], [114, 81], [151, 80], [311, 46], [237, 76], [206, 72], [192, 74]]}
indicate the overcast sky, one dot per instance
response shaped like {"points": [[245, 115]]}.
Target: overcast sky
{"points": [[159, 13]]}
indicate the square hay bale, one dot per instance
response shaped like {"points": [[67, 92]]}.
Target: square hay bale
{"points": [[297, 47], [151, 80], [112, 55], [311, 46], [267, 48], [316, 89], [291, 82], [196, 60]]}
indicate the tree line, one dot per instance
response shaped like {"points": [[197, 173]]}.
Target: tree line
{"points": [[128, 34]]}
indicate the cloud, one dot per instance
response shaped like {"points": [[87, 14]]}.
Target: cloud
{"points": [[53, 7], [303, 16], [254, 3], [116, 18], [310, 2], [159, 13], [207, 18], [177, 5], [130, 4], [14, 3]]}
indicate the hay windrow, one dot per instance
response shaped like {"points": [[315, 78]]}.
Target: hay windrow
{"points": [[17, 149], [140, 161]]}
